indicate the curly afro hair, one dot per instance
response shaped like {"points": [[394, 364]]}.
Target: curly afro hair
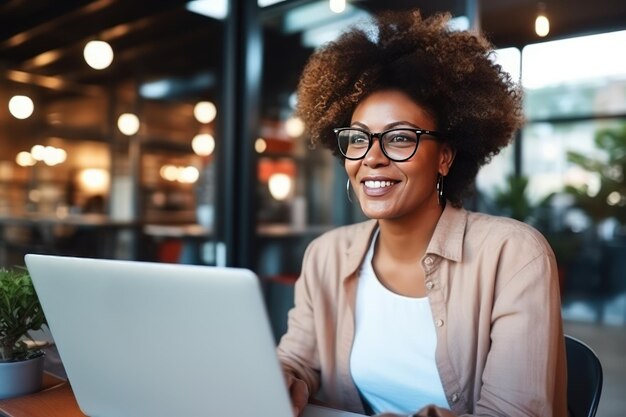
{"points": [[475, 103]]}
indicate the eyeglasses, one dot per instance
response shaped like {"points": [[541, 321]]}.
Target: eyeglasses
{"points": [[397, 144]]}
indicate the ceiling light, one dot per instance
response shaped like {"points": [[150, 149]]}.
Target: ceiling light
{"points": [[260, 145], [98, 54], [54, 156], [169, 172], [217, 9], [313, 15], [188, 175], [280, 186], [177, 87], [205, 111], [203, 144], [327, 26], [337, 6], [542, 24], [21, 107], [38, 152], [265, 3], [128, 124], [25, 159], [94, 180], [294, 127], [50, 155]]}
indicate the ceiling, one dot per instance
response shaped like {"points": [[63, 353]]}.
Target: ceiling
{"points": [[45, 38], [41, 43]]}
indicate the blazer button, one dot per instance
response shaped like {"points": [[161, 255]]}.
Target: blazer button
{"points": [[455, 398], [439, 323], [429, 285], [428, 260]]}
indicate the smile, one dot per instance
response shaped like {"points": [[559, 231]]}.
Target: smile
{"points": [[378, 184]]}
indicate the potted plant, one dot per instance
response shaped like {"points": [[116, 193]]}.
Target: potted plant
{"points": [[513, 200], [21, 363], [609, 200]]}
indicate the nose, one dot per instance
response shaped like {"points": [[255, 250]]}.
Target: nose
{"points": [[375, 156]]}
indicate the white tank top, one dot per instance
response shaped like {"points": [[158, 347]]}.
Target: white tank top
{"points": [[393, 356]]}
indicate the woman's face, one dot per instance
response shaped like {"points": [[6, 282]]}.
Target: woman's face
{"points": [[394, 190]]}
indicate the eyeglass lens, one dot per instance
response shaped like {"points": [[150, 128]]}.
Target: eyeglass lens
{"points": [[397, 144]]}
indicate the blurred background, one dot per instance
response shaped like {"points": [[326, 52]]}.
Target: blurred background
{"points": [[164, 131]]}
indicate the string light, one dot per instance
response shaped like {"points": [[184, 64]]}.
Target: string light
{"points": [[205, 111], [49, 155], [280, 186], [183, 174], [98, 54], [260, 145], [294, 127], [21, 107], [203, 144], [128, 124], [542, 24]]}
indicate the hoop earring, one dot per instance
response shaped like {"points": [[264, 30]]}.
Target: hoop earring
{"points": [[440, 197], [348, 191]]}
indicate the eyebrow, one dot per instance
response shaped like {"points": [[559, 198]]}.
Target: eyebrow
{"points": [[389, 126]]}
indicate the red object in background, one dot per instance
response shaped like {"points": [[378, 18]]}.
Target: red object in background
{"points": [[169, 251], [267, 167]]}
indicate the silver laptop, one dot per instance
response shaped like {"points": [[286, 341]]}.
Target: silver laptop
{"points": [[144, 339]]}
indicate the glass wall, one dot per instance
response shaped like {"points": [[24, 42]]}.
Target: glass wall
{"points": [[134, 175], [566, 174], [161, 188]]}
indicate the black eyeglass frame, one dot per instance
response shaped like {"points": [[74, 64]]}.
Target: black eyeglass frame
{"points": [[379, 135]]}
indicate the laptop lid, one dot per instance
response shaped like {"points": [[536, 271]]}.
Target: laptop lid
{"points": [[152, 339]]}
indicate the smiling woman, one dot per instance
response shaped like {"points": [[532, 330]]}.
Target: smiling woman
{"points": [[419, 310], [386, 188]]}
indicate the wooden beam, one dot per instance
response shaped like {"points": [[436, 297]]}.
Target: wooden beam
{"points": [[108, 35], [52, 83], [55, 24]]}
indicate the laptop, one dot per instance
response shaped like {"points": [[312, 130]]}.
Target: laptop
{"points": [[142, 339]]}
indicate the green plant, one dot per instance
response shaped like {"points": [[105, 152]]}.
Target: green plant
{"points": [[512, 199], [609, 200], [20, 312]]}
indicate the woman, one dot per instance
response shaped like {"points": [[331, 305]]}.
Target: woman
{"points": [[427, 309]]}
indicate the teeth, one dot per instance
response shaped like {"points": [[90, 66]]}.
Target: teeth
{"points": [[378, 184]]}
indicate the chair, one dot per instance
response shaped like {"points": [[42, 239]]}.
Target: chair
{"points": [[584, 378]]}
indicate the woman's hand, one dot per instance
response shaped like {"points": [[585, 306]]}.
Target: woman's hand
{"points": [[298, 391]]}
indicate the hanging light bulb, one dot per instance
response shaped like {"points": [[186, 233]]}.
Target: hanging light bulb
{"points": [[25, 159], [203, 144], [205, 111], [128, 124], [294, 127], [260, 145], [98, 54], [337, 6], [280, 186], [21, 107], [542, 24]]}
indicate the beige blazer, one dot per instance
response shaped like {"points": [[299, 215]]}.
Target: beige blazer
{"points": [[494, 294]]}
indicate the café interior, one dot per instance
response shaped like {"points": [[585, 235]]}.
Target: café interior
{"points": [[165, 132]]}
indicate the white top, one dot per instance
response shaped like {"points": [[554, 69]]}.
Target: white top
{"points": [[393, 355]]}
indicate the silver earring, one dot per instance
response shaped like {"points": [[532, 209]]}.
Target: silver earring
{"points": [[441, 198], [348, 191]]}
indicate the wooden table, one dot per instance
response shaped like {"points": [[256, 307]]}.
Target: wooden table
{"points": [[56, 399]]}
